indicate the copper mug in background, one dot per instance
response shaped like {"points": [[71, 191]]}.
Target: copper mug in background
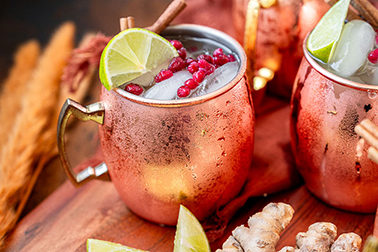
{"points": [[325, 109], [160, 154], [274, 31]]}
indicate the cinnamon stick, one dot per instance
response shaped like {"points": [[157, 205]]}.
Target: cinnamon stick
{"points": [[360, 9], [351, 15], [369, 131], [126, 23], [130, 22], [168, 15], [123, 24], [367, 11]]}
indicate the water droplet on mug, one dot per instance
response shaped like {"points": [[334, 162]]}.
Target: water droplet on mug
{"points": [[358, 168], [194, 176], [372, 94]]}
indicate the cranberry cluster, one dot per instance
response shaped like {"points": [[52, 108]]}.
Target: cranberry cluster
{"points": [[204, 65], [199, 68]]}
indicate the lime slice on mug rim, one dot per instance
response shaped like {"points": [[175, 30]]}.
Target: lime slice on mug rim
{"points": [[131, 53], [323, 38]]}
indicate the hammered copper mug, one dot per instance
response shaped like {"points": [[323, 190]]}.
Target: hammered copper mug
{"points": [[160, 154], [272, 32], [325, 109]]}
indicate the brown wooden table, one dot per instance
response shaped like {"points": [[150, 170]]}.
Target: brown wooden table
{"points": [[69, 216], [67, 219]]}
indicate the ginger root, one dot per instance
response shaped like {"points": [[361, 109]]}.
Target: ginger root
{"points": [[320, 237], [349, 242], [231, 245], [264, 228], [288, 249], [263, 232]]}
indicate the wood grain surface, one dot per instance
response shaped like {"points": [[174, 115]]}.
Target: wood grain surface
{"points": [[69, 216]]}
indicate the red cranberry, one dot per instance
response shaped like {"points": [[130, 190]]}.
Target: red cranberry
{"points": [[188, 61], [206, 66], [134, 89], [191, 84], [163, 75], [206, 57], [373, 56], [182, 52], [177, 44], [217, 52], [231, 57], [193, 67], [176, 64], [199, 76], [376, 39], [221, 59], [183, 91]]}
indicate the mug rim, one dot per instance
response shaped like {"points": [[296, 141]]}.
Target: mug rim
{"points": [[331, 76], [212, 33]]}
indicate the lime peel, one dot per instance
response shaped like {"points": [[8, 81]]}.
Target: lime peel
{"points": [[322, 40], [132, 53]]}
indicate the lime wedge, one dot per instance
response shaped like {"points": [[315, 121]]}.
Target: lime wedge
{"points": [[322, 40], [131, 53], [94, 245], [190, 236]]}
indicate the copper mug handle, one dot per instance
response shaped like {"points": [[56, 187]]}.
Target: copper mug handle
{"points": [[94, 112]]}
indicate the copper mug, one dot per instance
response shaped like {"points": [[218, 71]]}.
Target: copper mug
{"points": [[325, 109], [160, 154], [272, 32]]}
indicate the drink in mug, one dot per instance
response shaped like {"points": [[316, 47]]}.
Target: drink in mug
{"points": [[161, 152], [203, 66], [328, 101]]}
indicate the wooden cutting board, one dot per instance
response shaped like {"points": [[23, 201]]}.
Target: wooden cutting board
{"points": [[69, 216]]}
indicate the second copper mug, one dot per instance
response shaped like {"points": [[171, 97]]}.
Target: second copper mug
{"points": [[160, 154], [280, 29], [325, 109]]}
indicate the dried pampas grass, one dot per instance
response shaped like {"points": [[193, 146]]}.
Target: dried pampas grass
{"points": [[31, 136], [14, 87]]}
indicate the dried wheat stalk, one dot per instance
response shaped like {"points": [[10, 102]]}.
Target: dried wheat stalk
{"points": [[14, 86], [30, 137], [47, 142]]}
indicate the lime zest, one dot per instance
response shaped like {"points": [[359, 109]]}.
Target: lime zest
{"points": [[322, 40]]}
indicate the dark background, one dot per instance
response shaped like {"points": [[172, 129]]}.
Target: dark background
{"points": [[21, 20]]}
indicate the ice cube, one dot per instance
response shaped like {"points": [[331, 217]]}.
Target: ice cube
{"points": [[356, 40], [371, 75], [146, 79], [167, 89], [220, 77]]}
